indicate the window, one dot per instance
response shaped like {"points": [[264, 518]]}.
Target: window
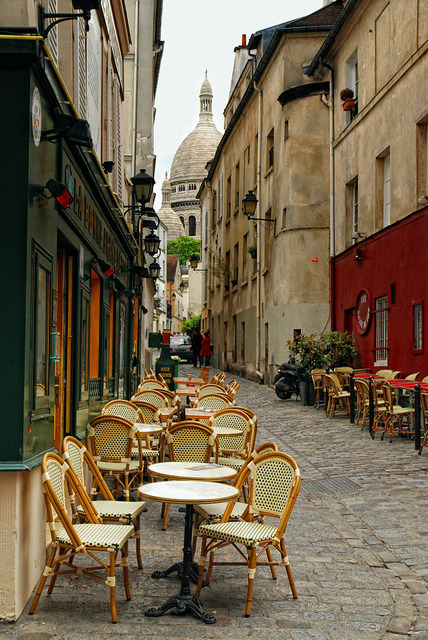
{"points": [[192, 225], [237, 188], [286, 135], [386, 190], [220, 197], [417, 327], [122, 331], [255, 161], [422, 158], [227, 271], [268, 232], [352, 83], [247, 154], [228, 196], [381, 331], [182, 221], [214, 208], [173, 189], [84, 348], [244, 254], [94, 363], [284, 218], [243, 342], [235, 264], [182, 187], [192, 186], [42, 328], [270, 150], [352, 211]]}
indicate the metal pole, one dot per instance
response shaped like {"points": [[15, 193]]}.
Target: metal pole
{"points": [[371, 406], [417, 401], [351, 398]]}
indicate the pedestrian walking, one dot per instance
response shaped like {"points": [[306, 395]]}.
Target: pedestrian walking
{"points": [[205, 353], [196, 346]]}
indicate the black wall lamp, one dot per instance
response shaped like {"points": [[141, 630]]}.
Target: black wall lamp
{"points": [[151, 244], [152, 271], [108, 166], [71, 128], [249, 205], [106, 268], [60, 192], [142, 189], [181, 286], [194, 261], [85, 6]]}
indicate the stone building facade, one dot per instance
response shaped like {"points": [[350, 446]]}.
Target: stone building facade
{"points": [[276, 144]]}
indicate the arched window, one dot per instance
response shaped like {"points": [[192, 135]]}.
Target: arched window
{"points": [[182, 222], [192, 226]]}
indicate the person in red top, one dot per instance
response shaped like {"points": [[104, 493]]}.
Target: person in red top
{"points": [[205, 352]]}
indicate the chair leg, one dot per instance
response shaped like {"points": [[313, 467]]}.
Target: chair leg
{"points": [[201, 567], [210, 568], [112, 584], [61, 550], [43, 580], [251, 575], [137, 527], [165, 520], [272, 568], [288, 569], [125, 565]]}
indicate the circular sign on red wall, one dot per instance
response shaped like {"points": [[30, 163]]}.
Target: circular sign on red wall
{"points": [[363, 310]]}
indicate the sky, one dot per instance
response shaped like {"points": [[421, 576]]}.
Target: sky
{"points": [[202, 35]]}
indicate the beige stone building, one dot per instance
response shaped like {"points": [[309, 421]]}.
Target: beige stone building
{"points": [[378, 178], [275, 144]]}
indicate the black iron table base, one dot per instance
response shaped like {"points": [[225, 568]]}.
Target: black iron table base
{"points": [[177, 567], [183, 602]]}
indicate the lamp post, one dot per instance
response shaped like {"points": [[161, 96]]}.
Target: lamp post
{"points": [[142, 189]]}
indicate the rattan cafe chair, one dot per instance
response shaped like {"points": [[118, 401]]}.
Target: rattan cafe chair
{"points": [[378, 406], [209, 388], [233, 451], [124, 409], [151, 383], [189, 441], [274, 480], [424, 405], [112, 439], [363, 395], [151, 395], [70, 540], [338, 400], [395, 415], [215, 401], [79, 458]]}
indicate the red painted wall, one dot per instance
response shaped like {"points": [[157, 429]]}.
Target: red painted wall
{"points": [[398, 254]]}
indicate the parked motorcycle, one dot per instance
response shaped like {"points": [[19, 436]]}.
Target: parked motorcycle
{"points": [[286, 381]]}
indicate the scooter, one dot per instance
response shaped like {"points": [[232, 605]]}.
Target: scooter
{"points": [[286, 382]]}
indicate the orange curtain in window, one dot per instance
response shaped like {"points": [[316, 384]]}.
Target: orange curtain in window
{"points": [[94, 364]]}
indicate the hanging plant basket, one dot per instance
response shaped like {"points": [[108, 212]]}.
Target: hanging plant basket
{"points": [[253, 252], [348, 104]]}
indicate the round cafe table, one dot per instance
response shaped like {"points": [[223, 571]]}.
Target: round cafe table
{"points": [[202, 471], [187, 492]]}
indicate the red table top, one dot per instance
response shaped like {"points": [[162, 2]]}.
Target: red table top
{"points": [[408, 384]]}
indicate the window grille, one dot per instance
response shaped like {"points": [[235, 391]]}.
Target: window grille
{"points": [[381, 331]]}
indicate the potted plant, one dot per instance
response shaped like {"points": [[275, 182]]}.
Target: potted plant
{"points": [[348, 100], [252, 250]]}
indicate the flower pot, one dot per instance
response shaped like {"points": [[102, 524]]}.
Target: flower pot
{"points": [[253, 253], [348, 104], [307, 393]]}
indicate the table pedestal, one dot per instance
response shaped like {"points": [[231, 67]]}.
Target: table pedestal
{"points": [[184, 601]]}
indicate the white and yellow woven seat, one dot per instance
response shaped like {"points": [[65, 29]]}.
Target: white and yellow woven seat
{"points": [[274, 482], [215, 511], [97, 535], [394, 415], [79, 458], [111, 468], [124, 409], [61, 487]]}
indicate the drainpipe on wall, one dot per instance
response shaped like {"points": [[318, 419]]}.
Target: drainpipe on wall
{"points": [[330, 104], [258, 187], [134, 97]]}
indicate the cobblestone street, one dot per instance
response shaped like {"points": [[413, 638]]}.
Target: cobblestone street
{"points": [[356, 543]]}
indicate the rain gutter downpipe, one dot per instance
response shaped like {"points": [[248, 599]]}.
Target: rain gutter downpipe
{"points": [[259, 195], [330, 105]]}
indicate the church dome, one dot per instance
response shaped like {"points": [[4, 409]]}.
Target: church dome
{"points": [[197, 149], [167, 214]]}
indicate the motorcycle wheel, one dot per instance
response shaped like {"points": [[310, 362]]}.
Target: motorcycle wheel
{"points": [[282, 393]]}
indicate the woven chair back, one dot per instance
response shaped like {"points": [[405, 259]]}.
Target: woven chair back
{"points": [[209, 388], [266, 447], [151, 395], [424, 404], [230, 417], [215, 401], [170, 397], [57, 496], [151, 383], [249, 413], [362, 389], [111, 438], [343, 369], [80, 460], [387, 396], [124, 409], [413, 376], [190, 442], [149, 411], [384, 373]]}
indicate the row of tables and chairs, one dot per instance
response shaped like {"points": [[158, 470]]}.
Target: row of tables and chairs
{"points": [[201, 455]]}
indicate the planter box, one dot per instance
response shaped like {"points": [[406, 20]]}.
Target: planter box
{"points": [[307, 393]]}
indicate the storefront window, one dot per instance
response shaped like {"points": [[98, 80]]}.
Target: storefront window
{"points": [[42, 332], [84, 351], [417, 327], [122, 351], [94, 362]]}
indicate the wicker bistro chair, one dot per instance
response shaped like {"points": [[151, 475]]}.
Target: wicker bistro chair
{"points": [[151, 395], [338, 400], [403, 395], [316, 381], [70, 540], [209, 388], [234, 451], [395, 414], [215, 401], [80, 460], [189, 441], [151, 383], [362, 390], [424, 404], [154, 445], [112, 439], [124, 409], [219, 378], [274, 480], [379, 407]]}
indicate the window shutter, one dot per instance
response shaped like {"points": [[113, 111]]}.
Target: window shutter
{"points": [[118, 183], [52, 39], [81, 68]]}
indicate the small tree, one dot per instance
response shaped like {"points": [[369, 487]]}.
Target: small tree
{"points": [[184, 247], [192, 323]]}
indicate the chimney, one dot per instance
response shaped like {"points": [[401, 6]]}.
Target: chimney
{"points": [[244, 40]]}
